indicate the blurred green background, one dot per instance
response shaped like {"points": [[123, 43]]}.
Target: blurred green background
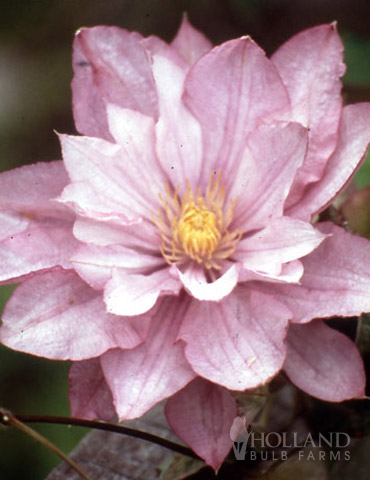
{"points": [[35, 101]]}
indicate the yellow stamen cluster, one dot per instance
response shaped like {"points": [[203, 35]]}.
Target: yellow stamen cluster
{"points": [[196, 226]]}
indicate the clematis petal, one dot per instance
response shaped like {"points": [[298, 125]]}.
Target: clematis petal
{"points": [[96, 264], [36, 231], [190, 43], [109, 181], [202, 414], [141, 377], [179, 142], [354, 137], [39, 246], [230, 90], [89, 394], [58, 316], [283, 240], [336, 280], [132, 294], [110, 66], [31, 190], [310, 65], [324, 362], [195, 282], [237, 343], [266, 172]]}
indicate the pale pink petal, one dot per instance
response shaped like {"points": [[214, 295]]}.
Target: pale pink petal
{"points": [[39, 246], [266, 172], [96, 264], [109, 181], [190, 43], [179, 139], [56, 315], [156, 46], [110, 66], [354, 137], [141, 377], [230, 90], [132, 294], [336, 280], [36, 231], [201, 415], [195, 283], [283, 240], [324, 362], [31, 190], [89, 394], [238, 342], [310, 65]]}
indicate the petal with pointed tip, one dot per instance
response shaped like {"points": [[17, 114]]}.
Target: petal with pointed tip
{"points": [[202, 414], [324, 362], [89, 394]]}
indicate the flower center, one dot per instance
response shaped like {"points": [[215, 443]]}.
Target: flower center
{"points": [[196, 227]]}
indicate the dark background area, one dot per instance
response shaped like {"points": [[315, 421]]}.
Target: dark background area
{"points": [[35, 101]]}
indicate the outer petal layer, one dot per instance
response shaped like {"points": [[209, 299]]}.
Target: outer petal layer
{"points": [[56, 315], [141, 377], [202, 415], [324, 362], [35, 231], [336, 280], [354, 138], [110, 66], [190, 43], [237, 343], [89, 395], [310, 65]]}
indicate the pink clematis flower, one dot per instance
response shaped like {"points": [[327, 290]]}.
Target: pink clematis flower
{"points": [[169, 260]]}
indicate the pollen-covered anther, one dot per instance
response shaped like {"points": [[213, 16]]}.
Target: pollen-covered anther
{"points": [[196, 227]]}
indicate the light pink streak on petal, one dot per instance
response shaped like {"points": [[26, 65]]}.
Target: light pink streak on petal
{"points": [[239, 342], [310, 65], [109, 181], [230, 90], [202, 415], [89, 394], [132, 294], [40, 246], [179, 139], [324, 362], [266, 172], [290, 272], [110, 65], [354, 137], [336, 280], [190, 43], [56, 315], [195, 283], [283, 240], [96, 264], [155, 370]]}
